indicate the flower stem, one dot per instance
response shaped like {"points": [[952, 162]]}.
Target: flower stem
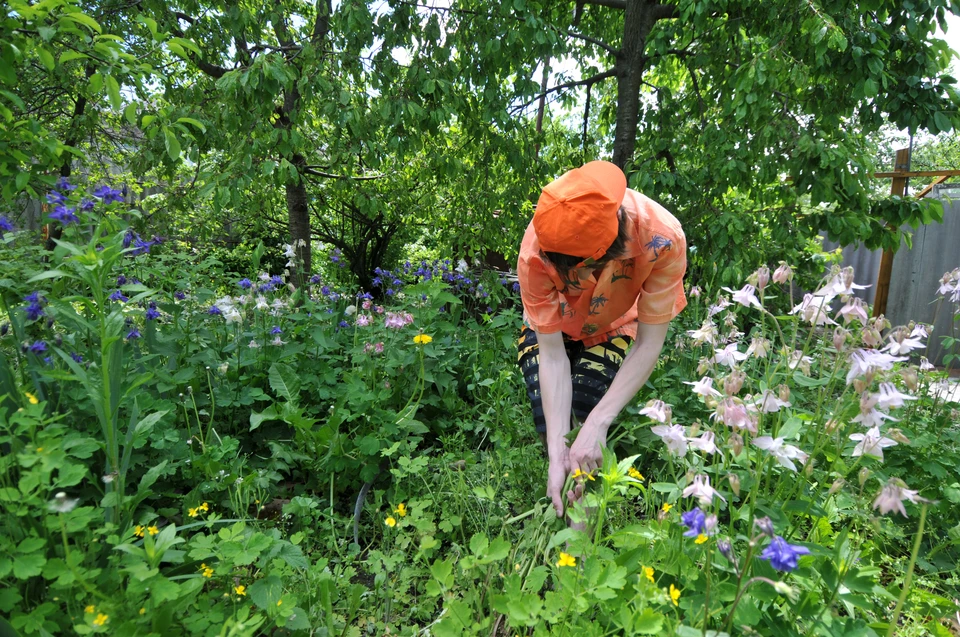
{"points": [[908, 580]]}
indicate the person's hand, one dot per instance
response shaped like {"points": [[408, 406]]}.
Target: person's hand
{"points": [[586, 452], [556, 477]]}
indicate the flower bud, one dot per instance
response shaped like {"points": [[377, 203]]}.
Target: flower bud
{"points": [[762, 277], [860, 386], [783, 392], [836, 486], [736, 443], [710, 402], [703, 366], [695, 291], [765, 526], [808, 468], [786, 590], [831, 426], [840, 338], [863, 476], [733, 382], [726, 550], [710, 525], [910, 377], [783, 274], [870, 336], [896, 434], [734, 481]]}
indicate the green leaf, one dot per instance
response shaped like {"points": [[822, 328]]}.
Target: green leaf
{"points": [[147, 423], [130, 113], [479, 544], [266, 592], [171, 143], [27, 566], [113, 92], [82, 18], [942, 122], [151, 476], [257, 419], [284, 382], [194, 123], [46, 58], [870, 88], [49, 274]]}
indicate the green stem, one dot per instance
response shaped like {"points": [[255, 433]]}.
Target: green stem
{"points": [[909, 579]]}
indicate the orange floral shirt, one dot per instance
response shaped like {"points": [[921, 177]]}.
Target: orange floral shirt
{"points": [[645, 284]]}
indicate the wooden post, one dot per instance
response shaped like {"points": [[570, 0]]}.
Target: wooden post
{"points": [[900, 165]]}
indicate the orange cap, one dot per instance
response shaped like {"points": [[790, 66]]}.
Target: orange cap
{"points": [[577, 213]]}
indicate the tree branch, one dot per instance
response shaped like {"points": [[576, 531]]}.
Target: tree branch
{"points": [[586, 38], [616, 4], [663, 12], [317, 173], [587, 82]]}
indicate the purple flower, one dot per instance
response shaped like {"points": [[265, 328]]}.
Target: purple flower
{"points": [[119, 296], [152, 312], [214, 311], [344, 324], [64, 215], [276, 330], [516, 287], [108, 194], [77, 357], [377, 282], [315, 278], [133, 334], [121, 280], [179, 295], [54, 197], [64, 184], [783, 556], [325, 290], [397, 283], [390, 292], [695, 521], [128, 238], [38, 347], [87, 205], [5, 225], [35, 308], [276, 280], [142, 247], [245, 284]]}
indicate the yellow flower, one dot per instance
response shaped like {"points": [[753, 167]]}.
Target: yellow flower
{"points": [[39, 449], [206, 571], [31, 398], [666, 507], [143, 611], [279, 601], [152, 529], [648, 573], [204, 507], [240, 590], [633, 473], [194, 512], [401, 510], [90, 610], [138, 530], [674, 594], [581, 474], [422, 339], [567, 560], [390, 521], [100, 620], [701, 539]]}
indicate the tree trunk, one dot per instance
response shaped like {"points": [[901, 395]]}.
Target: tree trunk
{"points": [[298, 216], [638, 18]]}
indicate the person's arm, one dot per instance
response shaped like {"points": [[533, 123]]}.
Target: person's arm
{"points": [[586, 454], [556, 392]]}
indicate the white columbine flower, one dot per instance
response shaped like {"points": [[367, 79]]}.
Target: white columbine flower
{"points": [[705, 443], [892, 496], [854, 309], [722, 304], [861, 360], [253, 344], [840, 283], [289, 251], [61, 503], [784, 453], [706, 334], [899, 344], [759, 347], [745, 296], [814, 310], [262, 303], [657, 410], [728, 356], [871, 443], [673, 436], [700, 488], [890, 397], [704, 387], [769, 402]]}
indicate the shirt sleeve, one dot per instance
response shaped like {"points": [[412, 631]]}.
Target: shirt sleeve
{"points": [[541, 299], [661, 297]]}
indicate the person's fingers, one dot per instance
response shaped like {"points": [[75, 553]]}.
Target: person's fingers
{"points": [[558, 504]]}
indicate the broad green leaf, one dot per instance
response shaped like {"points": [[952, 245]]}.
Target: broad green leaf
{"points": [[285, 382], [67, 56], [193, 122], [46, 58], [82, 18], [113, 91], [171, 143]]}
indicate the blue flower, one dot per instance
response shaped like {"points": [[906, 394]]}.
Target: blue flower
{"points": [[695, 521], [87, 205], [516, 287], [108, 194], [64, 215], [5, 225], [142, 247], [121, 280], [245, 284], [214, 311], [377, 281], [783, 556], [34, 309], [77, 357], [133, 334], [179, 295], [276, 280], [38, 347], [119, 296], [397, 283], [315, 278], [365, 296], [54, 197], [128, 238], [390, 292], [276, 330], [344, 324], [64, 184], [325, 290], [152, 312]]}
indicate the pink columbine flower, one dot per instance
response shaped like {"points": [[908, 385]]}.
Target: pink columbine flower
{"points": [[761, 278], [721, 304], [733, 383], [367, 304], [728, 356], [902, 343], [673, 436], [892, 496], [840, 283], [745, 296], [705, 443], [785, 454], [871, 443], [862, 360], [926, 365], [363, 320], [657, 410], [695, 291], [869, 415], [890, 397], [854, 309], [704, 387], [814, 310], [700, 488], [783, 274], [734, 413], [397, 320], [798, 360]]}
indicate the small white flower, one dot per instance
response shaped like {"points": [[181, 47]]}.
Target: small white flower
{"points": [[673, 436], [871, 443], [232, 315], [277, 341], [704, 387], [224, 367], [745, 296], [350, 310], [657, 410], [253, 344], [705, 443], [700, 488], [926, 365], [462, 266], [769, 402], [706, 334], [289, 251], [814, 310], [892, 496], [759, 347], [728, 355], [890, 397], [722, 304], [262, 303], [785, 454], [62, 504], [861, 360], [840, 283]]}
